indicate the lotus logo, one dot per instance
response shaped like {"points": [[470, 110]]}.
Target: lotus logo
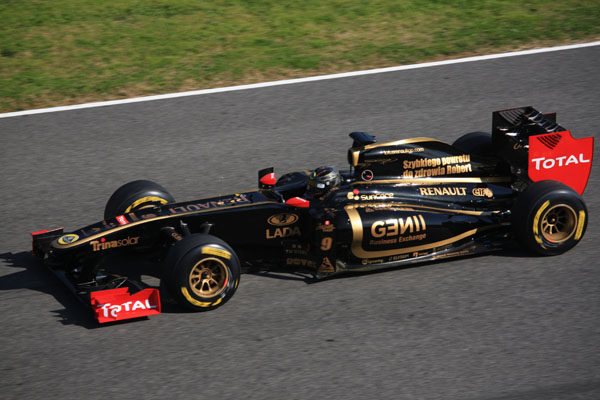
{"points": [[66, 239], [282, 219]]}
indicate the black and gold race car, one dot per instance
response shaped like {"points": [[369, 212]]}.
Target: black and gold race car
{"points": [[400, 202]]}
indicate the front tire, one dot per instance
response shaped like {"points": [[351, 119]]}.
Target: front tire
{"points": [[201, 272], [136, 195], [549, 218]]}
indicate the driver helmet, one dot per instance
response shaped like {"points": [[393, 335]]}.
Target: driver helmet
{"points": [[322, 180]]}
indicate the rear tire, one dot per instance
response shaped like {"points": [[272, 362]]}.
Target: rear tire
{"points": [[549, 218], [201, 272], [135, 196], [479, 143]]}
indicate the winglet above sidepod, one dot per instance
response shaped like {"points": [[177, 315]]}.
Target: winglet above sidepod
{"points": [[266, 178], [117, 304]]}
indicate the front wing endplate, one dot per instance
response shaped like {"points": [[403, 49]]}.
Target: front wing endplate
{"points": [[558, 156]]}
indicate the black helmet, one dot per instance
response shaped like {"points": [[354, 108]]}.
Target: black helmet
{"points": [[322, 180]]}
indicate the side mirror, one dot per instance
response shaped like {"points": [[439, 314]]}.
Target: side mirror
{"points": [[266, 178], [298, 202]]}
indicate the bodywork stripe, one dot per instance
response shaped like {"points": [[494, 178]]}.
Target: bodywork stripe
{"points": [[416, 207], [356, 153], [437, 181], [399, 142]]}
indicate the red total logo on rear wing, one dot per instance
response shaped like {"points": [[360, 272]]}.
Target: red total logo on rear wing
{"points": [[560, 157], [117, 304]]}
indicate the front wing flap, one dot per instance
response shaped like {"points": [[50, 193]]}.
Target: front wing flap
{"points": [[117, 304]]}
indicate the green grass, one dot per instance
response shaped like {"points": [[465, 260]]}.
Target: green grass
{"points": [[71, 51]]}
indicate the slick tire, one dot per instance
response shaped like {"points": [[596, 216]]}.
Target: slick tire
{"points": [[549, 218], [134, 196], [201, 272], [479, 143]]}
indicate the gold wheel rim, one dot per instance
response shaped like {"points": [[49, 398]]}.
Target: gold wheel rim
{"points": [[146, 202], [208, 277], [145, 206], [559, 223]]}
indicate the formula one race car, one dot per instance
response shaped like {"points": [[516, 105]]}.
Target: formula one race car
{"points": [[401, 202]]}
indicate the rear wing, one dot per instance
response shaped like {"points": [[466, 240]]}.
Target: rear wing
{"points": [[535, 145]]}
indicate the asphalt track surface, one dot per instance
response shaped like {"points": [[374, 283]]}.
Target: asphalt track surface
{"points": [[504, 326]]}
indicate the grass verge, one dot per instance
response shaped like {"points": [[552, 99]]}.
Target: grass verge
{"points": [[72, 51]]}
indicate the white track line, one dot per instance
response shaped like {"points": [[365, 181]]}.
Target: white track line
{"points": [[298, 80]]}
